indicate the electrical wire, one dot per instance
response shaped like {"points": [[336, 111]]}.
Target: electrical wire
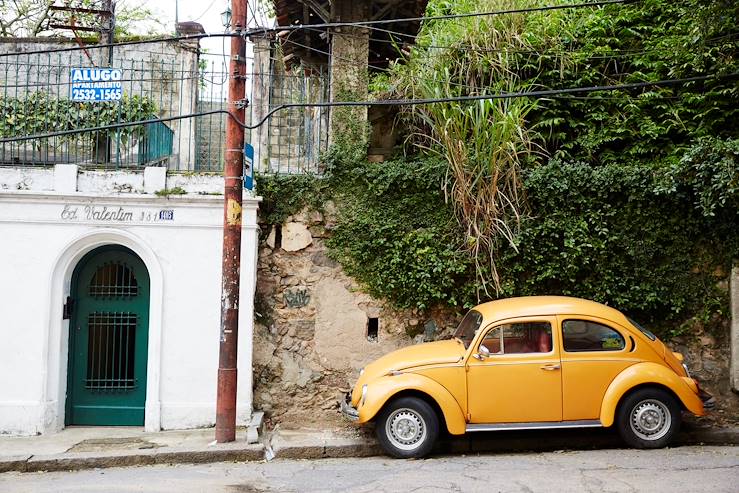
{"points": [[352, 62], [468, 47], [204, 11], [329, 25], [125, 43], [541, 94]]}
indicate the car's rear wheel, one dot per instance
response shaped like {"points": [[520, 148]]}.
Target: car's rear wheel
{"points": [[649, 418], [407, 427]]}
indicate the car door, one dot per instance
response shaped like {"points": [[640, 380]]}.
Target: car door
{"points": [[594, 351], [515, 377]]}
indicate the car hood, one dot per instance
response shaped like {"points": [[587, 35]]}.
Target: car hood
{"points": [[429, 353]]}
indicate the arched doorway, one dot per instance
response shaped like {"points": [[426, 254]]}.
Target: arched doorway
{"points": [[108, 339]]}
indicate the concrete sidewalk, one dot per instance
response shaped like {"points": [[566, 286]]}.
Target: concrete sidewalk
{"points": [[97, 447], [100, 447]]}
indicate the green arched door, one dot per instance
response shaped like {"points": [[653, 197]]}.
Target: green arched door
{"points": [[108, 339]]}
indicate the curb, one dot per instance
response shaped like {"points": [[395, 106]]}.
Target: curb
{"points": [[332, 448], [354, 450], [72, 463]]}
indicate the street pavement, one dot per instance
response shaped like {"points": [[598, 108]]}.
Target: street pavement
{"points": [[682, 469]]}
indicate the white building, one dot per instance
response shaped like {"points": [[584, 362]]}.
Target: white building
{"points": [[110, 299]]}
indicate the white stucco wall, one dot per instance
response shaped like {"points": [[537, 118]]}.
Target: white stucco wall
{"points": [[43, 234]]}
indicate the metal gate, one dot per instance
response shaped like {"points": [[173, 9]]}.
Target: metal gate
{"points": [[108, 339]]}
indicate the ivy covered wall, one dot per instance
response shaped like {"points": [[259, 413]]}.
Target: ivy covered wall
{"points": [[631, 198]]}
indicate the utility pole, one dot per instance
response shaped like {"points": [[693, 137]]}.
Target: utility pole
{"points": [[232, 174], [108, 29]]}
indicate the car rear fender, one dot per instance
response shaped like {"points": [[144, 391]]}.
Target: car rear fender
{"points": [[647, 373], [381, 390]]}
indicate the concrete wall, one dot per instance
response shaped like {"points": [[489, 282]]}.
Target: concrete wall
{"points": [[45, 230]]}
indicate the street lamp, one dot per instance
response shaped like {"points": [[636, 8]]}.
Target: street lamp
{"points": [[226, 17]]}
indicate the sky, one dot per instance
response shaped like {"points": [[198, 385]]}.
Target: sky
{"points": [[205, 12]]}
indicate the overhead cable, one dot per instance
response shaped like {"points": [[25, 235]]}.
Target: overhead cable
{"points": [[540, 94], [329, 25]]}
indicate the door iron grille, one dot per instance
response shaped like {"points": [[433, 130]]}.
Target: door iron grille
{"points": [[111, 351], [113, 279]]}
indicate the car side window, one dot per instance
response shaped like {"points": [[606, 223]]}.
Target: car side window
{"points": [[585, 335], [518, 338]]}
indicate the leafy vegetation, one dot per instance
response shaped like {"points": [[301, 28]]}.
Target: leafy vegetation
{"points": [[626, 197], [39, 113], [31, 18]]}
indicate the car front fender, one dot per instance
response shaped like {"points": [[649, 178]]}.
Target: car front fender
{"points": [[644, 374], [381, 390]]}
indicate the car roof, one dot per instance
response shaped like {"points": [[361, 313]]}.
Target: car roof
{"points": [[528, 306]]}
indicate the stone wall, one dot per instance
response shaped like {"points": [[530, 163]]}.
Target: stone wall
{"points": [[311, 331], [312, 320]]}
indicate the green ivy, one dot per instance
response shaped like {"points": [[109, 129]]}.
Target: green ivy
{"points": [[398, 237], [285, 195], [633, 201], [612, 234]]}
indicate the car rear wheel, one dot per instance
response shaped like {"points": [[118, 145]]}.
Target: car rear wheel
{"points": [[649, 418], [407, 427]]}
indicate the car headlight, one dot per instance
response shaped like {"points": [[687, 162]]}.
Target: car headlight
{"points": [[364, 395], [685, 367]]}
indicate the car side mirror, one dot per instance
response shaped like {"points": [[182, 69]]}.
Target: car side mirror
{"points": [[483, 352]]}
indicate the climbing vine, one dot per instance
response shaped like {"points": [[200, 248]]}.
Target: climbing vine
{"points": [[631, 198]]}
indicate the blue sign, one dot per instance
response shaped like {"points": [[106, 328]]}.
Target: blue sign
{"points": [[96, 84], [248, 167]]}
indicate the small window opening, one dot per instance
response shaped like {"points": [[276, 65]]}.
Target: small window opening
{"points": [[278, 236], [373, 326]]}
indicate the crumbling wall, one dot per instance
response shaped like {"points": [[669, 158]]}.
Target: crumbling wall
{"points": [[313, 330]]}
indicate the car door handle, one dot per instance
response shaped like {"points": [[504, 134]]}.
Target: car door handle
{"points": [[550, 367]]}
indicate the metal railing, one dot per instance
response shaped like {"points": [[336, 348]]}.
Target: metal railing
{"points": [[296, 136], [166, 80]]}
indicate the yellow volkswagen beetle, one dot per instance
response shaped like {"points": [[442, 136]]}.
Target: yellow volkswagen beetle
{"points": [[528, 363]]}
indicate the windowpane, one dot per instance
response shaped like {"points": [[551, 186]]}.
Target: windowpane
{"points": [[525, 337], [583, 335], [468, 326]]}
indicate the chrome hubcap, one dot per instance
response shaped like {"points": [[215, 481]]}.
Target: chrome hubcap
{"points": [[650, 420], [405, 429]]}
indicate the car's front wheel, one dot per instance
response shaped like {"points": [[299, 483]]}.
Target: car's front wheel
{"points": [[407, 427], [649, 418]]}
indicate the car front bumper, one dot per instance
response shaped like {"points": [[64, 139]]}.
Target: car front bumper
{"points": [[347, 409]]}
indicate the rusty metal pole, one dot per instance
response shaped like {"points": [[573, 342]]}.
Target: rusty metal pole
{"points": [[232, 174]]}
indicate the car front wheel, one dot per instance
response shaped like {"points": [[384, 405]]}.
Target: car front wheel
{"points": [[407, 427], [649, 418]]}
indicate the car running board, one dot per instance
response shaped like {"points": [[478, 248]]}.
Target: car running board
{"points": [[584, 423]]}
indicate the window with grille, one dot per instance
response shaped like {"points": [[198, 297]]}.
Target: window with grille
{"points": [[111, 350], [113, 280]]}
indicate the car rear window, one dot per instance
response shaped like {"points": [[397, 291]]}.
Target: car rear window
{"points": [[643, 330]]}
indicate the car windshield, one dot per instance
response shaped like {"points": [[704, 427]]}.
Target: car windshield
{"points": [[644, 331], [467, 327]]}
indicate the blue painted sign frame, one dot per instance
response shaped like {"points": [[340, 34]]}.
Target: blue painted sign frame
{"points": [[248, 166]]}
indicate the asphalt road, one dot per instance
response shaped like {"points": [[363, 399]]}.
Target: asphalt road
{"points": [[683, 469]]}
